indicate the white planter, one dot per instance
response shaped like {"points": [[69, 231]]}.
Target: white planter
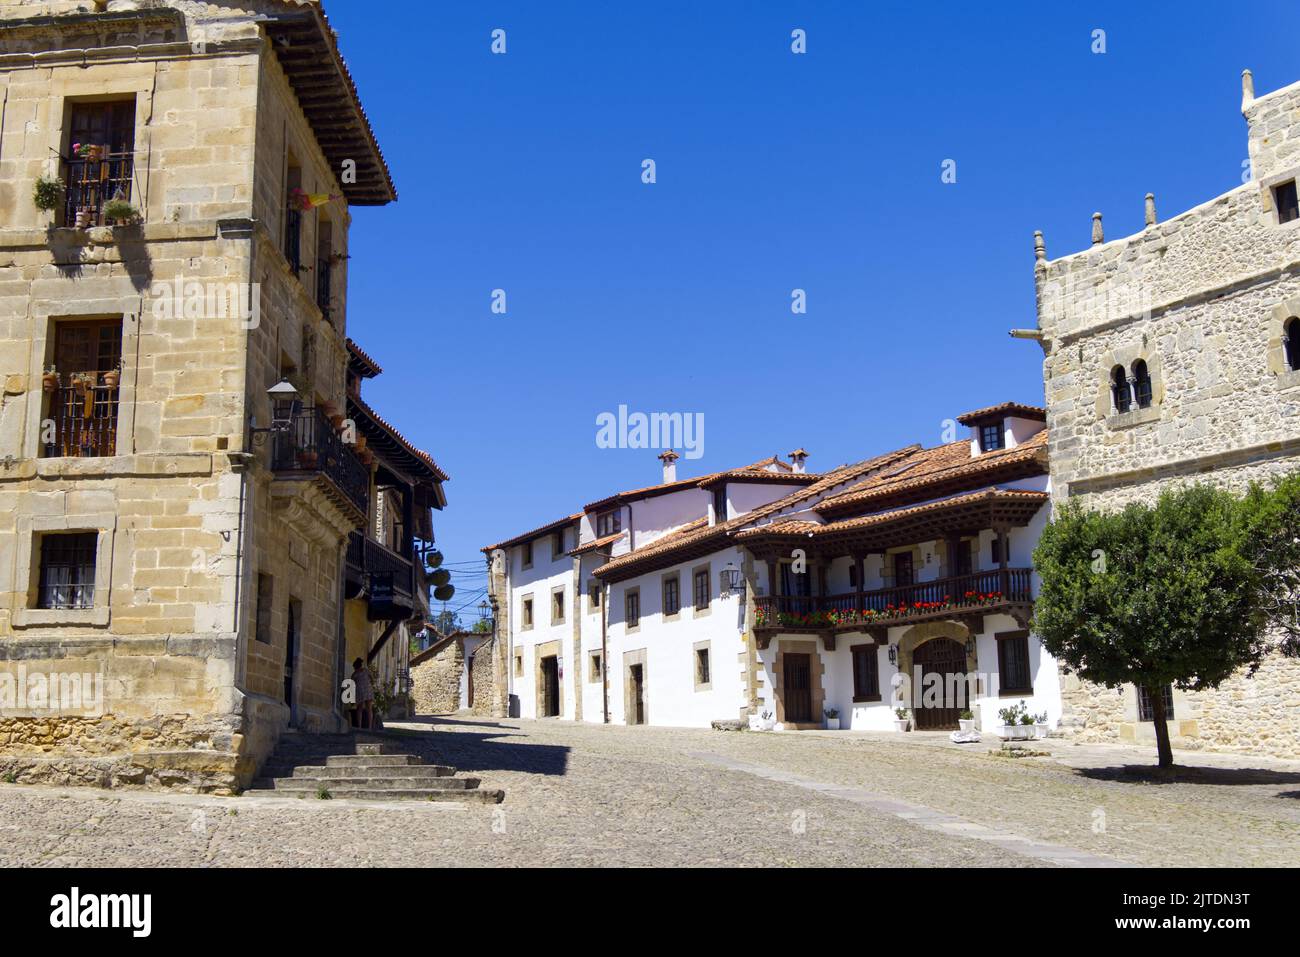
{"points": [[1042, 729], [900, 724], [759, 723], [832, 724], [966, 724], [1017, 732]]}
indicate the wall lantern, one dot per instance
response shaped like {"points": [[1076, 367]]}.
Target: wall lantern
{"points": [[730, 579], [970, 645], [484, 610], [284, 406], [893, 654]]}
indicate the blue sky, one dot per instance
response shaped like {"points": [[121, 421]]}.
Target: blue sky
{"points": [[775, 171]]}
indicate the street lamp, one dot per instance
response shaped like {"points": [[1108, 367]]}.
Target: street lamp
{"points": [[730, 579], [284, 406]]}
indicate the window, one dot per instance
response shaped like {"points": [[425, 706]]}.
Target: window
{"points": [[701, 589], [526, 613], [101, 159], [265, 598], [557, 606], [1013, 663], [324, 264], [67, 570], [293, 217], [903, 573], [557, 545], [866, 673], [672, 596], [519, 665], [1119, 390], [594, 673], [1291, 344], [1284, 197], [702, 676], [720, 504], [83, 403], [593, 594], [1141, 385], [608, 523], [526, 554], [632, 608], [962, 559], [853, 574], [991, 436], [1146, 712], [795, 583], [995, 550]]}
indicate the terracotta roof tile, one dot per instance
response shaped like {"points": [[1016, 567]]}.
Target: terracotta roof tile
{"points": [[420, 454], [596, 543], [535, 533], [1014, 409]]}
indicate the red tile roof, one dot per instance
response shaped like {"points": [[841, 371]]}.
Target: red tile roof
{"points": [[1013, 409], [534, 533]]}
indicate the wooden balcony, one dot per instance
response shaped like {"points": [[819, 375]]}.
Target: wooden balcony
{"points": [[385, 578], [965, 597]]}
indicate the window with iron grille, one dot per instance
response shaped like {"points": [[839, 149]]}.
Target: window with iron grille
{"points": [[83, 400], [293, 218], [866, 673], [324, 265], [608, 523], [632, 608], [1146, 712], [101, 159], [672, 596], [67, 577], [991, 436], [701, 587], [1013, 663]]}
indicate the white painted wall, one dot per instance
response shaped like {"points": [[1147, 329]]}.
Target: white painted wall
{"points": [[546, 573]]}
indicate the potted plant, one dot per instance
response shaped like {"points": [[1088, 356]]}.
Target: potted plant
{"points": [[1014, 726], [48, 193], [50, 380], [119, 212], [966, 720], [832, 719], [308, 458], [85, 217], [84, 384], [1040, 724], [91, 152], [113, 378], [901, 719], [761, 722]]}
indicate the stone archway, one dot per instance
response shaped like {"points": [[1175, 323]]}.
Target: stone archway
{"points": [[914, 638]]}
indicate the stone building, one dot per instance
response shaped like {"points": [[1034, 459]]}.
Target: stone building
{"points": [[453, 674], [175, 501], [1173, 355]]}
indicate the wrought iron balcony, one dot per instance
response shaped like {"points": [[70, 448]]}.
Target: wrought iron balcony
{"points": [[311, 447], [984, 592], [92, 183], [85, 421]]}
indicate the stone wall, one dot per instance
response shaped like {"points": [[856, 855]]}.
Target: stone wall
{"points": [[1201, 299], [436, 675]]}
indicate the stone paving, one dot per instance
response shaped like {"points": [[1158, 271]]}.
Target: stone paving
{"points": [[590, 795]]}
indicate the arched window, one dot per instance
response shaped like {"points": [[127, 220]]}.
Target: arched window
{"points": [[1141, 385], [1291, 343], [1119, 389]]}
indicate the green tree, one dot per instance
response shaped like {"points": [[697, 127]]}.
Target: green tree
{"points": [[1152, 596], [1271, 515]]}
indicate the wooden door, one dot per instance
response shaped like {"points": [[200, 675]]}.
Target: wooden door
{"points": [[469, 682], [550, 687], [797, 690], [638, 694], [947, 659]]}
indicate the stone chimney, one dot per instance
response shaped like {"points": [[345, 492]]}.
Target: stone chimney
{"points": [[797, 458], [669, 459]]}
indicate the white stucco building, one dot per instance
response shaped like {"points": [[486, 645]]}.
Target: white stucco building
{"points": [[771, 592]]}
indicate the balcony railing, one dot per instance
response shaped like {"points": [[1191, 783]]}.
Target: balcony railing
{"points": [[990, 589], [85, 421], [310, 445], [92, 183]]}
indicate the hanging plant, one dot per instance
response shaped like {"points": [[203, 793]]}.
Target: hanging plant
{"points": [[48, 193], [120, 212], [433, 559], [444, 592], [440, 577]]}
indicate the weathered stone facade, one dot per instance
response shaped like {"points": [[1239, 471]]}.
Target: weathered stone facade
{"points": [[436, 676], [1201, 299], [187, 512]]}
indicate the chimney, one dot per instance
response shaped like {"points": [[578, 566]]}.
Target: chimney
{"points": [[797, 458], [669, 459]]}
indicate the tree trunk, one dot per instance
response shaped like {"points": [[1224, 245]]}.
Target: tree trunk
{"points": [[1156, 696]]}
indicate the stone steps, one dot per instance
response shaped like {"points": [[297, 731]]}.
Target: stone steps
{"points": [[362, 768]]}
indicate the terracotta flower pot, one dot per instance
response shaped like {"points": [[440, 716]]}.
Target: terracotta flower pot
{"points": [[112, 378], [50, 381]]}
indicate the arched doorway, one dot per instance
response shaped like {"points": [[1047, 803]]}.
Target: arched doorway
{"points": [[937, 706]]}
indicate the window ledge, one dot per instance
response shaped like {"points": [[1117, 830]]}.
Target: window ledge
{"points": [[60, 617], [1127, 420], [707, 686], [1289, 380], [866, 699]]}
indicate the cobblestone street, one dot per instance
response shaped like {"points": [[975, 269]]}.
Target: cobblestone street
{"points": [[589, 795]]}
